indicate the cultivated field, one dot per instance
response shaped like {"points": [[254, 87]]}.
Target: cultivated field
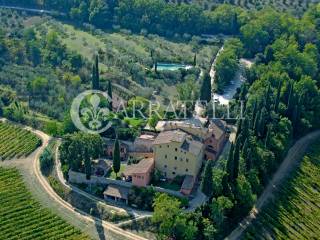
{"points": [[16, 142], [295, 6], [21, 217], [295, 212]]}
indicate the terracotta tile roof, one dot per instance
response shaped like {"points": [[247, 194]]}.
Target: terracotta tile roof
{"points": [[117, 191], [218, 127], [144, 166], [170, 136], [192, 146]]}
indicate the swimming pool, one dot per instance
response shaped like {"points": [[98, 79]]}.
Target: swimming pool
{"points": [[171, 66]]}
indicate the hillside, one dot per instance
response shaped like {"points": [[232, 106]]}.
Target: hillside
{"points": [[22, 217], [294, 6], [295, 212]]}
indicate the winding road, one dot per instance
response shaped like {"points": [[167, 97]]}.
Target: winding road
{"points": [[292, 159], [38, 185]]}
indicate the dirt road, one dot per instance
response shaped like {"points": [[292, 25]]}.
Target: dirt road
{"points": [[38, 185], [293, 158]]}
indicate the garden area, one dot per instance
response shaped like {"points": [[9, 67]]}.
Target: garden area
{"points": [[22, 217], [113, 175], [16, 142]]}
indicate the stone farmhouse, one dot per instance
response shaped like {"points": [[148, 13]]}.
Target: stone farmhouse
{"points": [[178, 150]]}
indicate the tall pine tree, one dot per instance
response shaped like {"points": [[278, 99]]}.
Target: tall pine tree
{"points": [[230, 163], [236, 160], [205, 94], [110, 94], [207, 181], [96, 74], [277, 102], [116, 157]]}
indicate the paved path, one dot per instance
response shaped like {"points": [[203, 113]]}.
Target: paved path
{"points": [[292, 159], [38, 185]]}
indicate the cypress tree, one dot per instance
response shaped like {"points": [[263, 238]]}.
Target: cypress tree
{"points": [[239, 128], [262, 122], [87, 164], [236, 160], [195, 59], [230, 163], [243, 92], [245, 148], [110, 94], [256, 122], [290, 101], [276, 104], [95, 74], [254, 113], [268, 137], [248, 161], [87, 167], [295, 116], [226, 191], [116, 157], [245, 129], [268, 97], [205, 92], [207, 181]]}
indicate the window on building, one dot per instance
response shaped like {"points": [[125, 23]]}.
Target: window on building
{"points": [[187, 160], [165, 156], [165, 166], [175, 158], [174, 173], [176, 149], [187, 169], [160, 146], [168, 146]]}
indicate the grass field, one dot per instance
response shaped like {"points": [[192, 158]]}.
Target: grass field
{"points": [[22, 217], [16, 142], [295, 212]]}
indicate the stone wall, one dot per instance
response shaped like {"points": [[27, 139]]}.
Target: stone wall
{"points": [[76, 177]]}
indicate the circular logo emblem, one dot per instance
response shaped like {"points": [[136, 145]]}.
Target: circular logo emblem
{"points": [[89, 111]]}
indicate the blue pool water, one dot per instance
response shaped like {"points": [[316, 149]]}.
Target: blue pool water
{"points": [[171, 66]]}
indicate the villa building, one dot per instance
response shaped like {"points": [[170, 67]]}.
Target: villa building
{"points": [[143, 147], [214, 136], [140, 174], [176, 153]]}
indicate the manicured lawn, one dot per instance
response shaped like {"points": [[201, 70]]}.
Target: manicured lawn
{"points": [[112, 174]]}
